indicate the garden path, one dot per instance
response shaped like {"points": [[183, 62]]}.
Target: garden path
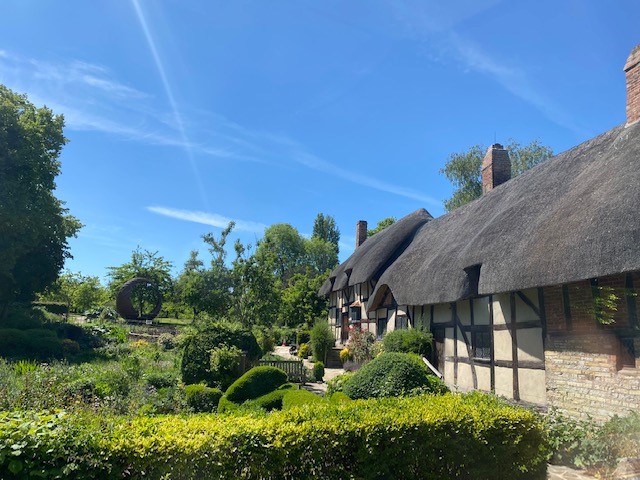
{"points": [[556, 472]]}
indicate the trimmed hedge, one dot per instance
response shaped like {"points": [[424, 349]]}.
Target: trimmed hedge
{"points": [[297, 398], [388, 375], [450, 436], [201, 398], [256, 382]]}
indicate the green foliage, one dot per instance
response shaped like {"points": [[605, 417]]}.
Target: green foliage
{"points": [[463, 169], [160, 380], [408, 341], [585, 444], [202, 399], [256, 382], [196, 359], [266, 338], [388, 375], [362, 346], [303, 350], [167, 341], [382, 224], [300, 397], [39, 344], [336, 384], [450, 436], [58, 308], [339, 397], [268, 402], [226, 364], [324, 228], [78, 293], [321, 340], [303, 336], [35, 225], [300, 303], [318, 371], [345, 355]]}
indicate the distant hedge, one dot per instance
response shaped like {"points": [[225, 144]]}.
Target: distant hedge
{"points": [[451, 436], [256, 382]]}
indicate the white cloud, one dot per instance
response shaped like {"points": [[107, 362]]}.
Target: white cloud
{"points": [[206, 218]]}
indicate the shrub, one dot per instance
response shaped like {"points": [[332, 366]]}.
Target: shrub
{"points": [[160, 380], [226, 364], [361, 346], [297, 398], [256, 382], [12, 342], [270, 401], [321, 340], [70, 347], [201, 398], [303, 336], [58, 308], [345, 355], [166, 341], [336, 384], [23, 318], [318, 371], [339, 397], [389, 374], [451, 436], [303, 350], [408, 341], [265, 337], [196, 359]]}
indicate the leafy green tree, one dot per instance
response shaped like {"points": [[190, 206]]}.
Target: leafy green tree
{"points": [[146, 264], [463, 169], [382, 224], [320, 256], [300, 302], [256, 289], [79, 292], [324, 228], [283, 249], [35, 225]]}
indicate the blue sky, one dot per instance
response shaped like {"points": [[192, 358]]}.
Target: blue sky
{"points": [[183, 115]]}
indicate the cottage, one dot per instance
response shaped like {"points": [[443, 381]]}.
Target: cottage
{"points": [[531, 291]]}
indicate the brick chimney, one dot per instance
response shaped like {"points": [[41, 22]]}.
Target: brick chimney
{"points": [[632, 72], [496, 168], [361, 232]]}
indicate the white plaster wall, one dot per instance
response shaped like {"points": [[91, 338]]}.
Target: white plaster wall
{"points": [[501, 308], [530, 345], [532, 385], [525, 313], [481, 311], [504, 382], [502, 345], [464, 312], [441, 313], [483, 373], [465, 379]]}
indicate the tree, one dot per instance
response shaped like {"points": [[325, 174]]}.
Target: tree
{"points": [[146, 264], [79, 292], [320, 256], [35, 225], [324, 228], [283, 249], [300, 301], [463, 169], [382, 224]]}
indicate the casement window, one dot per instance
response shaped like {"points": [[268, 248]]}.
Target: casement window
{"points": [[402, 323], [481, 345], [355, 314], [381, 326]]}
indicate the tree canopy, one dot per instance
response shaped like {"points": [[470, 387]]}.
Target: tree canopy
{"points": [[35, 225], [463, 169], [324, 228], [382, 224]]}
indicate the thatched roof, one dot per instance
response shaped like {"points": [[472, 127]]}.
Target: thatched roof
{"points": [[371, 258], [574, 217]]}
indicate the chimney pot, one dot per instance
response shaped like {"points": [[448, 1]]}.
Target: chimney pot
{"points": [[496, 168], [632, 74], [361, 232]]}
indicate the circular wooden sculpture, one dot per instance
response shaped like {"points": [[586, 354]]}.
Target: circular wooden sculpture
{"points": [[124, 305]]}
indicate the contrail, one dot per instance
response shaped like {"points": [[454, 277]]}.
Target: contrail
{"points": [[172, 101]]}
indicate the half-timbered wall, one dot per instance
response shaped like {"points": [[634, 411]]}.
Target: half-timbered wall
{"points": [[348, 307], [492, 343]]}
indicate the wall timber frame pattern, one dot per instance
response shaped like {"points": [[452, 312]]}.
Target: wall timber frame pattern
{"points": [[515, 325]]}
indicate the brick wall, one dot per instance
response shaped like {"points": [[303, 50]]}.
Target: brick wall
{"points": [[585, 371]]}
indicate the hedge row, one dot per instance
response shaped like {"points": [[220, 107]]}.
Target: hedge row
{"points": [[429, 437]]}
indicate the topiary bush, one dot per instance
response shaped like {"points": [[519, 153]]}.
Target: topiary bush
{"points": [[336, 384], [202, 399], [196, 359], [408, 341], [256, 382], [388, 375], [303, 336], [297, 398], [303, 350], [225, 363], [318, 371], [321, 340]]}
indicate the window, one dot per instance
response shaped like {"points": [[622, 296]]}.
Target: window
{"points": [[401, 322], [356, 314], [481, 345], [381, 325]]}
